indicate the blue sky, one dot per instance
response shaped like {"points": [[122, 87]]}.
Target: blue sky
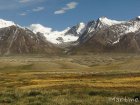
{"points": [[60, 14]]}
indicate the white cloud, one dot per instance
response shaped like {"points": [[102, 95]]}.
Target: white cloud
{"points": [[16, 4], [38, 9], [59, 11], [71, 5], [27, 1], [68, 6], [24, 1], [23, 14]]}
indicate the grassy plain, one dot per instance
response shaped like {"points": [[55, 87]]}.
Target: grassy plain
{"points": [[89, 79]]}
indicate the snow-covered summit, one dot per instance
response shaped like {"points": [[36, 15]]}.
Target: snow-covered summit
{"points": [[81, 28], [130, 26], [109, 22], [4, 23], [55, 37], [77, 30], [139, 17], [40, 28]]}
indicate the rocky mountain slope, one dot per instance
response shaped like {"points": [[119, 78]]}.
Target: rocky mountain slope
{"points": [[17, 40], [121, 37]]}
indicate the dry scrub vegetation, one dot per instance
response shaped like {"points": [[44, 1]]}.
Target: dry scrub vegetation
{"points": [[69, 80]]}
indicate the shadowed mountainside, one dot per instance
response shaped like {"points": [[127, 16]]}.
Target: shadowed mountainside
{"points": [[16, 40]]}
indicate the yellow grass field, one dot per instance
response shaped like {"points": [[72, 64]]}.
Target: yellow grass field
{"points": [[90, 79]]}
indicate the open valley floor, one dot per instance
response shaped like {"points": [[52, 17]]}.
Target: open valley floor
{"points": [[88, 79]]}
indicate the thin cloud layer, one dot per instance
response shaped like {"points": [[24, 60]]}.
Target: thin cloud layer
{"points": [[15, 4], [38, 9], [31, 6], [23, 14], [27, 1], [24, 1], [68, 7]]}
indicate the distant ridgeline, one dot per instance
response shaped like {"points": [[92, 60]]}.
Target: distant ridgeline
{"points": [[102, 35]]}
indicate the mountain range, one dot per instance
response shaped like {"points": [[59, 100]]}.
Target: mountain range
{"points": [[101, 35]]}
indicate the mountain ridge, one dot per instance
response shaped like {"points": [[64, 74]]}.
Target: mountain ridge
{"points": [[101, 35], [17, 40]]}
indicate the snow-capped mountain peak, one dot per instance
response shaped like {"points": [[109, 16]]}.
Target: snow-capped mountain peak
{"points": [[55, 37], [4, 23], [139, 17], [81, 28], [40, 28], [109, 22], [77, 30], [135, 19]]}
